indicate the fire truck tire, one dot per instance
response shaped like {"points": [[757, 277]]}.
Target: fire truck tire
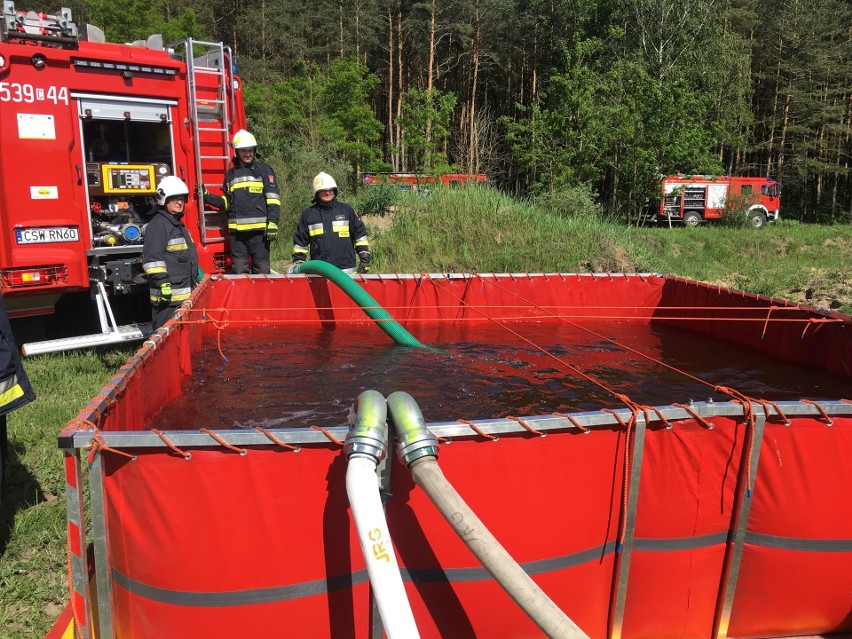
{"points": [[692, 218], [757, 219]]}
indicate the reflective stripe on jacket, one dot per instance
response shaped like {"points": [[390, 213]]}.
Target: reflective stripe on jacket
{"points": [[250, 195], [331, 233], [168, 255]]}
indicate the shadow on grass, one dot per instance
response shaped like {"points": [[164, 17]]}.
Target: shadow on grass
{"points": [[20, 489]]}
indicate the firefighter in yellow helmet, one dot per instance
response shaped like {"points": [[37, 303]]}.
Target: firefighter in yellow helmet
{"points": [[329, 230], [252, 198], [15, 388], [169, 256]]}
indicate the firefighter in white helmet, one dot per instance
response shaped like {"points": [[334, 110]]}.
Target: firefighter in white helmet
{"points": [[252, 198], [169, 256], [329, 230]]}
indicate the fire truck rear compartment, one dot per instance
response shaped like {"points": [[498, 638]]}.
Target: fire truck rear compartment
{"points": [[124, 160]]}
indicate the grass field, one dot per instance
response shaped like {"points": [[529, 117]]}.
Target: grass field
{"points": [[458, 230]]}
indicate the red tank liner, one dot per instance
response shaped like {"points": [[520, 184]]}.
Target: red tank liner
{"points": [[262, 543]]}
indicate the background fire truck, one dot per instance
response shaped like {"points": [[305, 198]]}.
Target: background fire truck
{"points": [[693, 199], [88, 128]]}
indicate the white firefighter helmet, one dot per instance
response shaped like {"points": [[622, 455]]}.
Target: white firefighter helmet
{"points": [[171, 186], [324, 181], [243, 140]]}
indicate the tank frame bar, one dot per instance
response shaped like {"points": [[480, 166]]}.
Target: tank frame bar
{"points": [[73, 437]]}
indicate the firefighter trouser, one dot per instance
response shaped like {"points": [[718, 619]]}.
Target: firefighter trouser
{"points": [[162, 313], [249, 243], [4, 449]]}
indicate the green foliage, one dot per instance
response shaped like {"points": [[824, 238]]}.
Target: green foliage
{"points": [[597, 118], [323, 112], [376, 199], [425, 123], [353, 129], [482, 229], [737, 213], [575, 201], [131, 20]]}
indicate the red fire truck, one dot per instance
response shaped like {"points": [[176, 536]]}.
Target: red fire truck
{"points": [[693, 199], [88, 128]]}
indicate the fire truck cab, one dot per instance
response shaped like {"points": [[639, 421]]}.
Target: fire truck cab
{"points": [[693, 199], [88, 129]]}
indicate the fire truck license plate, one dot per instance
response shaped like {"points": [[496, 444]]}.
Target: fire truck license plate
{"points": [[47, 234]]}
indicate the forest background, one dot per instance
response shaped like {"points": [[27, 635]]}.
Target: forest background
{"points": [[573, 98]]}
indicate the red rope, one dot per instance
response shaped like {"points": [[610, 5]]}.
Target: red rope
{"points": [[768, 313], [87, 425], [766, 403], [828, 420], [441, 440], [221, 441], [531, 343], [274, 439], [477, 429], [749, 418], [611, 341], [703, 422], [98, 444], [327, 433], [169, 443], [526, 426], [574, 422]]}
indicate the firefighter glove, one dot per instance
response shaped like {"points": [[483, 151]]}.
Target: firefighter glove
{"points": [[199, 276], [271, 230], [364, 264], [165, 292]]}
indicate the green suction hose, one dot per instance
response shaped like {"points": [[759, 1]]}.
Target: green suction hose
{"points": [[384, 320]]}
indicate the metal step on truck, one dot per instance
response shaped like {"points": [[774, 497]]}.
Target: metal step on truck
{"points": [[88, 129]]}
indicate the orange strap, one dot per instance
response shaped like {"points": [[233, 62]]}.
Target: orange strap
{"points": [[478, 430], [169, 443], [526, 426], [98, 444], [327, 433]]}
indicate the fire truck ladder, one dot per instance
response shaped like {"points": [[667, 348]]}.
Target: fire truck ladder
{"points": [[211, 103]]}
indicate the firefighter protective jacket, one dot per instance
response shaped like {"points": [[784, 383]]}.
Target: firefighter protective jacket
{"points": [[169, 255], [250, 195], [15, 388], [332, 233]]}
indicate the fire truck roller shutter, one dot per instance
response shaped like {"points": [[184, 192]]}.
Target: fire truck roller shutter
{"points": [[103, 108]]}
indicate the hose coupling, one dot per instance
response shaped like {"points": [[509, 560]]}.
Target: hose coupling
{"points": [[415, 440], [369, 434]]}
